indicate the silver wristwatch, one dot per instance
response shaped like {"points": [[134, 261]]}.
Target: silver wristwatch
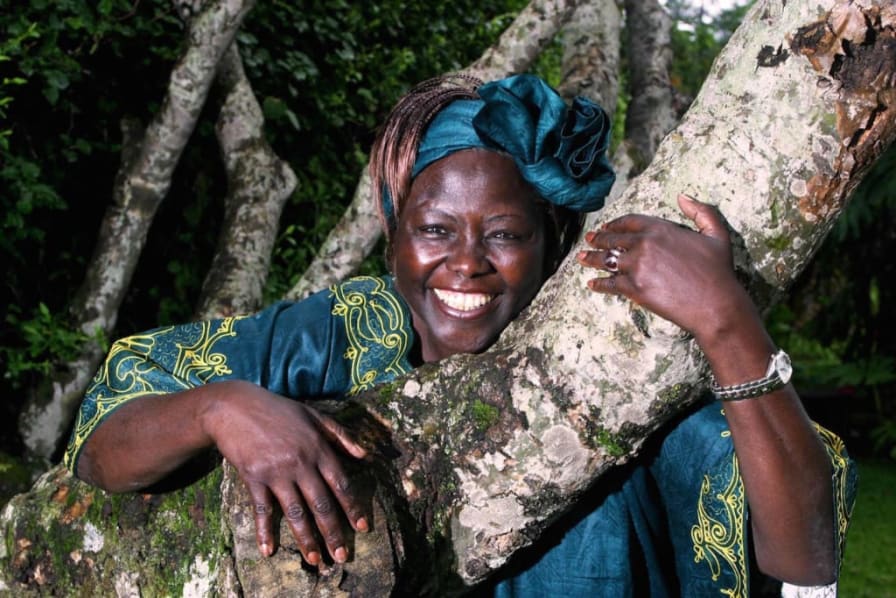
{"points": [[776, 376]]}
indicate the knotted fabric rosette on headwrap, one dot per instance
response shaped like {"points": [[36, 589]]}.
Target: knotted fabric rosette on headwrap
{"points": [[560, 150]]}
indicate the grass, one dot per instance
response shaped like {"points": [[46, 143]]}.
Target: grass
{"points": [[869, 566]]}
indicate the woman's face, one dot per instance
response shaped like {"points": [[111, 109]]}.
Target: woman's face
{"points": [[469, 251]]}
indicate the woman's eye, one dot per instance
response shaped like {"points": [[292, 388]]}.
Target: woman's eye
{"points": [[433, 229], [506, 235]]}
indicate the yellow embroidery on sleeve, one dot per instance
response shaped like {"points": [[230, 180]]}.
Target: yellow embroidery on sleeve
{"points": [[132, 369], [378, 333], [198, 360], [718, 536], [844, 483]]}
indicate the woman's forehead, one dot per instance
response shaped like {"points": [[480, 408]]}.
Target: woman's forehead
{"points": [[489, 180]]}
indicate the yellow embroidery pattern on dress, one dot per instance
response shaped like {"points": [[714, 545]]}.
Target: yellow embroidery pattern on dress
{"points": [[718, 536], [844, 482], [150, 364], [198, 360], [378, 331]]}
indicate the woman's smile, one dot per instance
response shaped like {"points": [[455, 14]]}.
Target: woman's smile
{"points": [[468, 252], [460, 301]]}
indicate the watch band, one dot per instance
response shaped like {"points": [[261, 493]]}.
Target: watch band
{"points": [[776, 376]]}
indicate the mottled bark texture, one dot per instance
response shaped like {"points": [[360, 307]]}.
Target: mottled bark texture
{"points": [[650, 114], [521, 43], [590, 64], [796, 109], [357, 233], [258, 185], [483, 451], [142, 182]]}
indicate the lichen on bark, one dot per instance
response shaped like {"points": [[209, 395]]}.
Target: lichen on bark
{"points": [[68, 538]]}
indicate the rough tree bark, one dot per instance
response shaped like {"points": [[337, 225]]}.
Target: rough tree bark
{"points": [[590, 64], [650, 112], [798, 106], [357, 233], [650, 115], [142, 182], [258, 185]]}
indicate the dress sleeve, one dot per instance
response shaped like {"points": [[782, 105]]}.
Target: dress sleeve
{"points": [[337, 342], [698, 478], [285, 348]]}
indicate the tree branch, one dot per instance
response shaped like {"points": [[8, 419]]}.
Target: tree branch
{"points": [[592, 375], [650, 112], [258, 183], [142, 182], [591, 53]]}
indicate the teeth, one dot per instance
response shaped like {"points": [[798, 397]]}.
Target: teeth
{"points": [[462, 301]]}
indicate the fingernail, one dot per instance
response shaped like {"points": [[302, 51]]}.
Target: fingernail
{"points": [[340, 555], [361, 525], [589, 236], [581, 255], [265, 549], [313, 558]]}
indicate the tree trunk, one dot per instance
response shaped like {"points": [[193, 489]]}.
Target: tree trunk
{"points": [[650, 112], [591, 54], [784, 129], [258, 185], [782, 132], [141, 184]]}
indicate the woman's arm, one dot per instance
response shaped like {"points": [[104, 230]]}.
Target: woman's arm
{"points": [[282, 449], [785, 468], [687, 277]]}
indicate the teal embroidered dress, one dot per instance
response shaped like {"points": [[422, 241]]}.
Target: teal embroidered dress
{"points": [[674, 523], [337, 342]]}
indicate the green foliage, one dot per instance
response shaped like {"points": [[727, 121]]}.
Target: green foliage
{"points": [[71, 70], [697, 40], [837, 324], [28, 193], [357, 58], [61, 99], [325, 75], [61, 126], [47, 339], [11, 47], [15, 477], [868, 560]]}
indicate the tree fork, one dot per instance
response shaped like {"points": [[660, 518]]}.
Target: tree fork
{"points": [[141, 184]]}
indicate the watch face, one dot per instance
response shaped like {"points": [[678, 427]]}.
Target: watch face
{"points": [[783, 366]]}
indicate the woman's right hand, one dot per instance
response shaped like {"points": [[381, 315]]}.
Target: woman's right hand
{"points": [[284, 451]]}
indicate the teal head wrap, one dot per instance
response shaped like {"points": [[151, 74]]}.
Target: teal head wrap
{"points": [[561, 151]]}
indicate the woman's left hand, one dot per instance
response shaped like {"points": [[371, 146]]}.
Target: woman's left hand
{"points": [[687, 277], [682, 275]]}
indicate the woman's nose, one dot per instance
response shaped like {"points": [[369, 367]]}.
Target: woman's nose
{"points": [[468, 258]]}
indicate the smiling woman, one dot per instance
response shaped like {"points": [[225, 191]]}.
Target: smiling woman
{"points": [[481, 189], [480, 206], [468, 252]]}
